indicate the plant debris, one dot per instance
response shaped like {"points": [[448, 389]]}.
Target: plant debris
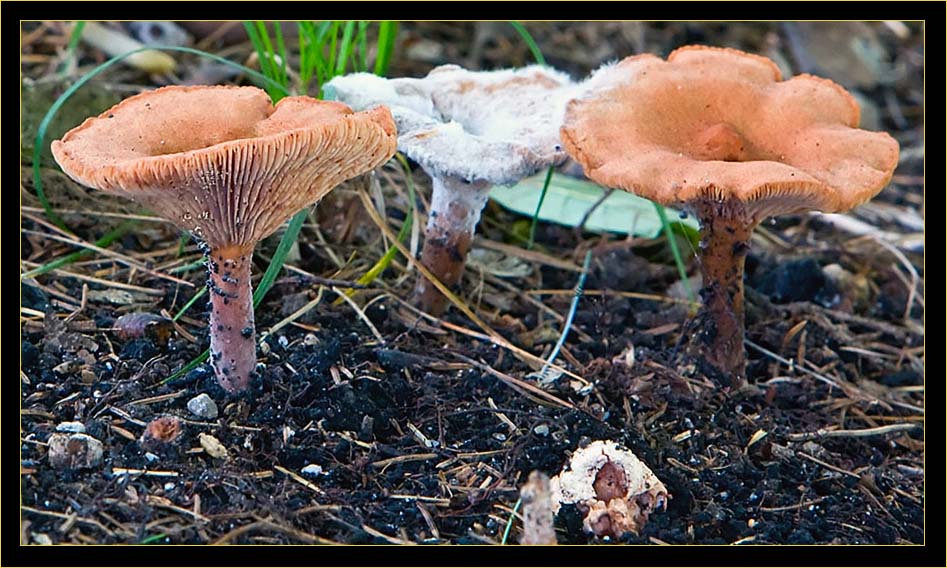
{"points": [[427, 435]]}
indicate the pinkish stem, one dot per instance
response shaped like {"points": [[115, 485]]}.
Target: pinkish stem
{"points": [[455, 211], [232, 333]]}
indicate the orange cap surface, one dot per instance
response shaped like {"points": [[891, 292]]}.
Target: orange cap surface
{"points": [[223, 162], [719, 123]]}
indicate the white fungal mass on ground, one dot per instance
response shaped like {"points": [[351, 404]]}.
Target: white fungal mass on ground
{"points": [[613, 489]]}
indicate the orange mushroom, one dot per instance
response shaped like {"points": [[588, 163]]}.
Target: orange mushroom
{"points": [[230, 167], [718, 132]]}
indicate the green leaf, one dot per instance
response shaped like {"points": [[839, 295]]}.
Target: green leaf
{"points": [[568, 199]]}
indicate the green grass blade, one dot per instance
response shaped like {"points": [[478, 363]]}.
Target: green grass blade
{"points": [[530, 42], [195, 363], [267, 57], [372, 273], [387, 34], [70, 56], [678, 260], [282, 249], [153, 538], [106, 240], [322, 33], [538, 56], [307, 42], [284, 57], [346, 46], [187, 306], [264, 61], [333, 46], [403, 234], [75, 36], [389, 255], [509, 522], [539, 206], [362, 40]]}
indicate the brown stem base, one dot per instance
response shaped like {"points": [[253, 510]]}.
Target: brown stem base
{"points": [[455, 210], [725, 240], [232, 332]]}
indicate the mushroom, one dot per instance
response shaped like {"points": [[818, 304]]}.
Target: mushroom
{"points": [[230, 167], [610, 486], [469, 131], [717, 131]]}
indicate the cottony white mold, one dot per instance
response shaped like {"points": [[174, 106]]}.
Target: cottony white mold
{"points": [[493, 126], [611, 486], [469, 131]]}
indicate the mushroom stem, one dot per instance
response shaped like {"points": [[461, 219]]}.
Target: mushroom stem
{"points": [[455, 211], [725, 240], [232, 332]]}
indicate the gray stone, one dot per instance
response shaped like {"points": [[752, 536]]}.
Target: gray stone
{"points": [[74, 451], [203, 406]]}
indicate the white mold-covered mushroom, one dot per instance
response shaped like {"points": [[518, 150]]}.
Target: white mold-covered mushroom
{"points": [[469, 130], [613, 489]]}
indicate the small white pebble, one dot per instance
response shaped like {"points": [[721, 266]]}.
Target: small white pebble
{"points": [[203, 406], [71, 427], [541, 430], [212, 446], [500, 436], [74, 451], [283, 342], [151, 457], [168, 486], [312, 470]]}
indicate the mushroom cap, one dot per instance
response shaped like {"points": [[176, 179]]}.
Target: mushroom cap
{"points": [[494, 126], [719, 123], [223, 162]]}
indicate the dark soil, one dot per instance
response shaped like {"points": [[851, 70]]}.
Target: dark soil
{"points": [[427, 435]]}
